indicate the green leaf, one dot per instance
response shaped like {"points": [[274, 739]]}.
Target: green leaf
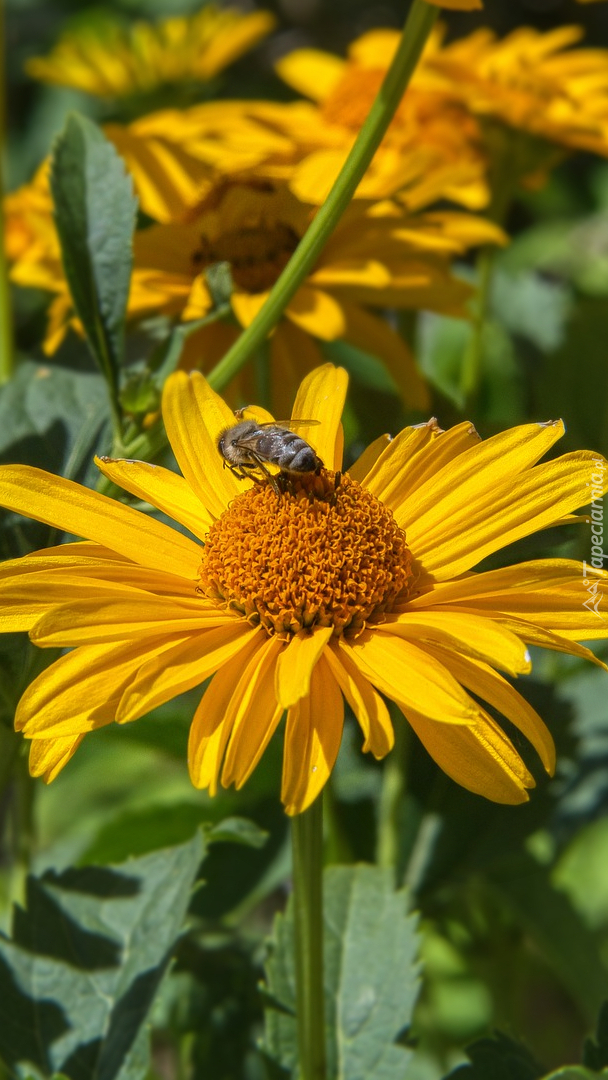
{"points": [[237, 830], [371, 977], [85, 961], [498, 1058], [95, 215]]}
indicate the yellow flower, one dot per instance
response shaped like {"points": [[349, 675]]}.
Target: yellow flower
{"points": [[379, 257], [108, 60], [533, 82], [430, 117], [356, 586]]}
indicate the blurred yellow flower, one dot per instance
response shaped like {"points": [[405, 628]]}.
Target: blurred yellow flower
{"points": [[339, 586], [109, 60], [380, 256], [533, 82]]}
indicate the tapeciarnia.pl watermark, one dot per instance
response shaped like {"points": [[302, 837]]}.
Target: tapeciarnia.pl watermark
{"points": [[591, 581]]}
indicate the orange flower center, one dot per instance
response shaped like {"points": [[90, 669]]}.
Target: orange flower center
{"points": [[256, 255], [325, 552]]}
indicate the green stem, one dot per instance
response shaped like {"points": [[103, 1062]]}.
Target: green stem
{"points": [[307, 847], [417, 28], [6, 315]]}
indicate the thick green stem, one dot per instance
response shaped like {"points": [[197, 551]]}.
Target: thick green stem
{"points": [[307, 846], [416, 31], [6, 314]]}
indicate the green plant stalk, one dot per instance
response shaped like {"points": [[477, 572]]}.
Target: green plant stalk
{"points": [[417, 28], [6, 314], [307, 848]]}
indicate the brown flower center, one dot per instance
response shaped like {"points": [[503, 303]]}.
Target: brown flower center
{"points": [[256, 255], [326, 552]]}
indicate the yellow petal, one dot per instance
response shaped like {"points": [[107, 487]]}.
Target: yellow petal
{"points": [[482, 467], [48, 756], [365, 462], [184, 666], [311, 72], [93, 621], [312, 739], [195, 417], [317, 312], [81, 691], [210, 730], [369, 708], [480, 757], [411, 677], [485, 683], [480, 638], [253, 714], [247, 305], [558, 594], [416, 455], [27, 593], [160, 487], [321, 397], [295, 664], [76, 509]]}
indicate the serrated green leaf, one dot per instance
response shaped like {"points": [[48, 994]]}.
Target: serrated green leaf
{"points": [[85, 961], [95, 215], [371, 977]]}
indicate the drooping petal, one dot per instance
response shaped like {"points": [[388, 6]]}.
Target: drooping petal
{"points": [[366, 703], [48, 756], [195, 417], [210, 730], [81, 691], [472, 635], [296, 663], [75, 509], [160, 487], [253, 715], [479, 757], [411, 677], [312, 739], [321, 397], [186, 665], [485, 683]]}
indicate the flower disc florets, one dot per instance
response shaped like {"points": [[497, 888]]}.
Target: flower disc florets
{"points": [[323, 552]]}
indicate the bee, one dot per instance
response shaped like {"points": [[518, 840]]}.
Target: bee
{"points": [[249, 447]]}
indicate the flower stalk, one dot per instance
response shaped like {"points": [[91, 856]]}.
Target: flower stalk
{"points": [[418, 26], [307, 848]]}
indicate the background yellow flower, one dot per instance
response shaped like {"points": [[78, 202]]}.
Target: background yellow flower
{"points": [[110, 60]]}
